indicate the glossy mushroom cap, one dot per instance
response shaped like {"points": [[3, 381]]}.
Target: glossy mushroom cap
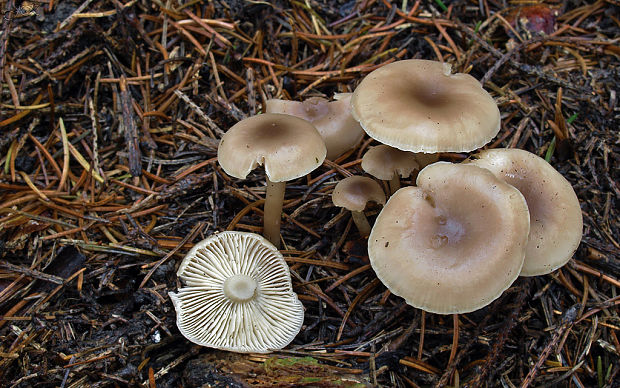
{"points": [[354, 192], [288, 146], [417, 105], [237, 295], [454, 243], [332, 119], [383, 162], [556, 222]]}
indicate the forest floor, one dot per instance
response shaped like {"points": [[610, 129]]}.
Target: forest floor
{"points": [[110, 117]]}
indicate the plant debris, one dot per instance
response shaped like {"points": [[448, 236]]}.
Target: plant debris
{"points": [[110, 117]]}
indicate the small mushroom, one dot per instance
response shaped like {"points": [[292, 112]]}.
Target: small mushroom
{"points": [[353, 193], [388, 163], [237, 295], [332, 119], [288, 147], [454, 243], [419, 106], [556, 222]]}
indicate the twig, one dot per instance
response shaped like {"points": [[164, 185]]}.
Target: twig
{"points": [[189, 237], [129, 126]]}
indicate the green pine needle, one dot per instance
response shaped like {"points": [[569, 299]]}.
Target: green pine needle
{"points": [[550, 150], [572, 118], [477, 27], [441, 5]]}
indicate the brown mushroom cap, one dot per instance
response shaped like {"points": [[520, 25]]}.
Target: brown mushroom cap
{"points": [[556, 222], [383, 162], [454, 243], [354, 192], [288, 146], [417, 105], [332, 119]]}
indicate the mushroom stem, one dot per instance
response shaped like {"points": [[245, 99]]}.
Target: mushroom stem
{"points": [[273, 211], [394, 183], [240, 288], [361, 222]]}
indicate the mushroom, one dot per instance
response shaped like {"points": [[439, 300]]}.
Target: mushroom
{"points": [[417, 105], [555, 215], [287, 146], [425, 159], [332, 119], [353, 193], [237, 295], [454, 243], [387, 163]]}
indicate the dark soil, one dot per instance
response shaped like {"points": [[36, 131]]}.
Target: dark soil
{"points": [[110, 117]]}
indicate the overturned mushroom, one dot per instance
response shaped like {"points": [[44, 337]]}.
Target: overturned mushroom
{"points": [[237, 295], [555, 215], [288, 146], [353, 193], [332, 119], [454, 243], [388, 163], [419, 106]]}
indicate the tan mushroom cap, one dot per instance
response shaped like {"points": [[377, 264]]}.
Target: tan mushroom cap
{"points": [[383, 162], [454, 243], [288, 146], [237, 295], [354, 192], [425, 159], [556, 222], [340, 131], [417, 105]]}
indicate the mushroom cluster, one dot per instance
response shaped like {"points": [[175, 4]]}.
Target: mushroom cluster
{"points": [[291, 140], [237, 292], [459, 238], [340, 131], [451, 243]]}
